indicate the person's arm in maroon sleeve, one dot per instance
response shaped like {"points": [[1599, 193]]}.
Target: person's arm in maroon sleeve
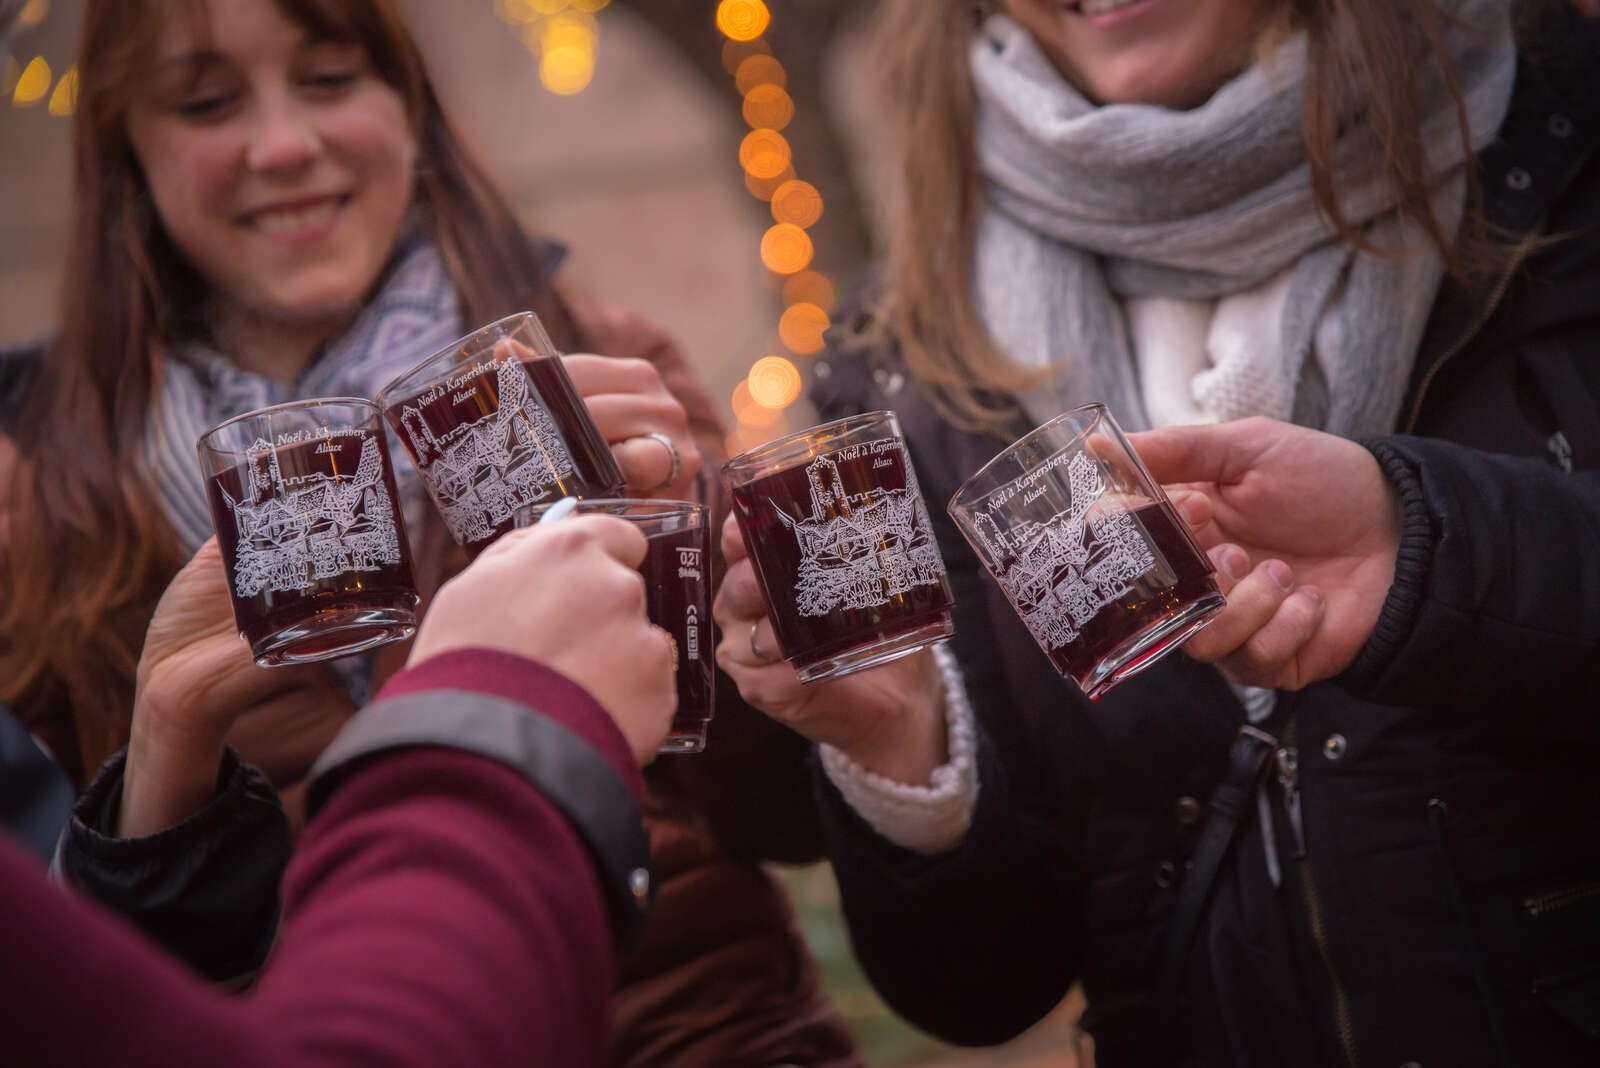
{"points": [[445, 906]]}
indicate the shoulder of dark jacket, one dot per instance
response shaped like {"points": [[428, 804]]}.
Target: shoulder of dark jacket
{"points": [[1552, 124], [1531, 171]]}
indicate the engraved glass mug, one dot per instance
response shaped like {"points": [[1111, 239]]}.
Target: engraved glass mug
{"points": [[309, 523], [494, 424], [677, 577], [1087, 549], [841, 543]]}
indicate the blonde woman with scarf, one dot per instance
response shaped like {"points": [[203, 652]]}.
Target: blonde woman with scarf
{"points": [[1375, 220]]}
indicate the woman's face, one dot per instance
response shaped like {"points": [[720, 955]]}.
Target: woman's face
{"points": [[1173, 53], [280, 165]]}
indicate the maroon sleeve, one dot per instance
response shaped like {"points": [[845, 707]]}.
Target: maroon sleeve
{"points": [[498, 674], [440, 911]]}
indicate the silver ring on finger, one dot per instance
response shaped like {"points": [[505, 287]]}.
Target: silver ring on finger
{"points": [[672, 455], [756, 650]]}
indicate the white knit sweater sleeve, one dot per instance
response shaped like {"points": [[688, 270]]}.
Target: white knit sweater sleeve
{"points": [[924, 819]]}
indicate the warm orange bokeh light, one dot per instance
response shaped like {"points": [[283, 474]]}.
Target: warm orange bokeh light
{"points": [[572, 30], [785, 249], [33, 83], [736, 52], [566, 70], [764, 153], [64, 101], [774, 382], [743, 20], [748, 412], [809, 287], [763, 188], [797, 202], [801, 328], [769, 106], [759, 70]]}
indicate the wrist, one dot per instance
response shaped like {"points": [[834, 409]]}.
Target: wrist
{"points": [[171, 773], [909, 738]]}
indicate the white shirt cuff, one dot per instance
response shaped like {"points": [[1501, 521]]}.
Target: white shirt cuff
{"points": [[924, 819]]}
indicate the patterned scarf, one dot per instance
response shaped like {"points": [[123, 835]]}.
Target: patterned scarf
{"points": [[415, 312], [1092, 210]]}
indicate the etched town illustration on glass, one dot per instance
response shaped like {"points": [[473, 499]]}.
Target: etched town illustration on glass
{"points": [[297, 530], [859, 550], [1061, 571], [483, 470]]}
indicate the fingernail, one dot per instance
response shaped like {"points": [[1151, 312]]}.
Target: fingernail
{"points": [[1234, 563], [1314, 594], [1281, 573]]}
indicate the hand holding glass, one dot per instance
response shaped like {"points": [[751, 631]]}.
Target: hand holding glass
{"points": [[1087, 549]]}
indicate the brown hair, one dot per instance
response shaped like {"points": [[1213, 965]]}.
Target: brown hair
{"points": [[1360, 72], [88, 550]]}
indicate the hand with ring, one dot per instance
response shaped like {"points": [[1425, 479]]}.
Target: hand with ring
{"points": [[888, 719], [645, 425]]}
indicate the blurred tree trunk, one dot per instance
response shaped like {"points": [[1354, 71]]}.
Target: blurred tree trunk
{"points": [[800, 36]]}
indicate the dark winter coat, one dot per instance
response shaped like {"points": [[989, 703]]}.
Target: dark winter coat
{"points": [[1443, 908]]}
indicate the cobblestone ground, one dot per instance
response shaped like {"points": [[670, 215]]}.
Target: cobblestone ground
{"points": [[886, 1041]]}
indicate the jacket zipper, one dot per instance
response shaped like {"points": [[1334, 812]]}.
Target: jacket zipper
{"points": [[1288, 761], [1560, 899]]}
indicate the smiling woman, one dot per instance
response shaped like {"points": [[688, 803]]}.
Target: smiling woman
{"points": [[281, 165], [244, 179]]}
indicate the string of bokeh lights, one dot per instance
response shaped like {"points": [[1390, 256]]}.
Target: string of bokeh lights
{"points": [[29, 85], [563, 35], [773, 382]]}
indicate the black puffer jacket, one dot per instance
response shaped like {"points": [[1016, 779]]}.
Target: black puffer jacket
{"points": [[1443, 909]]}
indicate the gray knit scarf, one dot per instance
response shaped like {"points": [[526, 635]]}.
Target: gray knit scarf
{"points": [[1088, 208], [414, 313]]}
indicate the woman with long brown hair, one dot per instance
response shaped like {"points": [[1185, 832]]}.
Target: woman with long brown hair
{"points": [[269, 204], [1351, 845]]}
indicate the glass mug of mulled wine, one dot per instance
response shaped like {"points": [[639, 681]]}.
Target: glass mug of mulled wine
{"points": [[842, 546], [494, 424], [677, 576], [309, 522], [1088, 549]]}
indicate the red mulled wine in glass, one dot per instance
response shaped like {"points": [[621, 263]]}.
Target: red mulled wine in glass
{"points": [[840, 541], [308, 520], [677, 576], [1087, 549], [494, 424]]}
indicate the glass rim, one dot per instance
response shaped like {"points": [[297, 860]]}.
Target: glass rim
{"points": [[382, 397], [273, 409], [962, 494], [768, 451], [661, 507]]}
